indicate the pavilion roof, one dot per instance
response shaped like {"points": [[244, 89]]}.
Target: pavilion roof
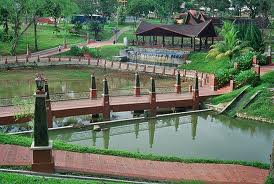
{"points": [[203, 29]]}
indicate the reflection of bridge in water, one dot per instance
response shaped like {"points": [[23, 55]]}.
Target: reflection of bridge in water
{"points": [[134, 127]]}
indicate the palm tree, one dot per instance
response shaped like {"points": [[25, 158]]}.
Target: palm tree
{"points": [[230, 46]]}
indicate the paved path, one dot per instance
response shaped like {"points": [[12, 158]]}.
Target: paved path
{"points": [[138, 169]]}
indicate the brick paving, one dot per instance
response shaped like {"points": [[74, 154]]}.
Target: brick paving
{"points": [[114, 166]]}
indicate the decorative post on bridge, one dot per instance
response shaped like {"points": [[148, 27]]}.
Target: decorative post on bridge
{"points": [[137, 90], [93, 90], [195, 94], [48, 105], [178, 83], [41, 146], [106, 106], [152, 100]]}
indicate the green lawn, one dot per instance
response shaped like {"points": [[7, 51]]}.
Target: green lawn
{"points": [[19, 178], [262, 106], [200, 63]]}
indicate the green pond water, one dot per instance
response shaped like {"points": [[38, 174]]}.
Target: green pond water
{"points": [[203, 135]]}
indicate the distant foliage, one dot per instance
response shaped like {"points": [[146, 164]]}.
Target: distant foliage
{"points": [[76, 51]]}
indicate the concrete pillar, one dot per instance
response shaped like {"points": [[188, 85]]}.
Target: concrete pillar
{"points": [[154, 69], [231, 85], [152, 98], [93, 90], [195, 94], [137, 89], [164, 71], [254, 60], [41, 146], [213, 82], [257, 70], [178, 88], [106, 105]]}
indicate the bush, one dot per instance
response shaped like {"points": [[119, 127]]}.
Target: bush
{"points": [[223, 77], [85, 50], [246, 77], [76, 51], [261, 59], [245, 61]]}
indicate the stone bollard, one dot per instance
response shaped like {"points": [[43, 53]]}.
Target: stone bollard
{"points": [[154, 69], [106, 105], [195, 94], [254, 60], [178, 88], [164, 71], [93, 90], [137, 89], [152, 99], [189, 88], [231, 85], [41, 147], [120, 65]]}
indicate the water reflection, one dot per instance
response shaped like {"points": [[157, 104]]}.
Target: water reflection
{"points": [[205, 135]]}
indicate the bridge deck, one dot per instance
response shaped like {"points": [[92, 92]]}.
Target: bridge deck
{"points": [[117, 104]]}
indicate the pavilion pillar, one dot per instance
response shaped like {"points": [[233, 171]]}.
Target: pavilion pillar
{"points": [[152, 98], [150, 42], [206, 44], [191, 42], [143, 40], [137, 40], [212, 40], [156, 40], [106, 104], [93, 90], [195, 94], [172, 41], [182, 42], [41, 147], [194, 43], [137, 89], [178, 82], [164, 41]]}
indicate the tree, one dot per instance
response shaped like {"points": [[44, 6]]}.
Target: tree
{"points": [[121, 15], [230, 46], [96, 27], [86, 7], [4, 14], [107, 7], [254, 38]]}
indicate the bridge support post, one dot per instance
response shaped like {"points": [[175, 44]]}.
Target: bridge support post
{"points": [[48, 105], [231, 85], [41, 146], [213, 82], [257, 70], [152, 99], [178, 83], [106, 105], [195, 94], [254, 60], [93, 90], [137, 90]]}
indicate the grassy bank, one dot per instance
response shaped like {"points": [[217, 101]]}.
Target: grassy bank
{"points": [[57, 145], [262, 106], [200, 63]]}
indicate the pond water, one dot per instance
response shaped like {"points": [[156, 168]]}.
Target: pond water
{"points": [[122, 82], [203, 135]]}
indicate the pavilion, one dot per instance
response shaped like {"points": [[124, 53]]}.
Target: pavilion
{"points": [[201, 29]]}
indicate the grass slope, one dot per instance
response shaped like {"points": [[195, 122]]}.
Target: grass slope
{"points": [[58, 145], [200, 63]]}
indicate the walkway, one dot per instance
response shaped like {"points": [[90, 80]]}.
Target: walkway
{"points": [[115, 166]]}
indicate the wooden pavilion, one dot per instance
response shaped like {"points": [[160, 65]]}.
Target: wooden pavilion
{"points": [[194, 30]]}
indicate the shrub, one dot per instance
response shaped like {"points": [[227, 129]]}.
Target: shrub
{"points": [[223, 77], [261, 59], [245, 61], [85, 50], [76, 51], [246, 77]]}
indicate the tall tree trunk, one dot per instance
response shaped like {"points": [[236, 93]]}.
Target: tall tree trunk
{"points": [[55, 22], [6, 28], [35, 33]]}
